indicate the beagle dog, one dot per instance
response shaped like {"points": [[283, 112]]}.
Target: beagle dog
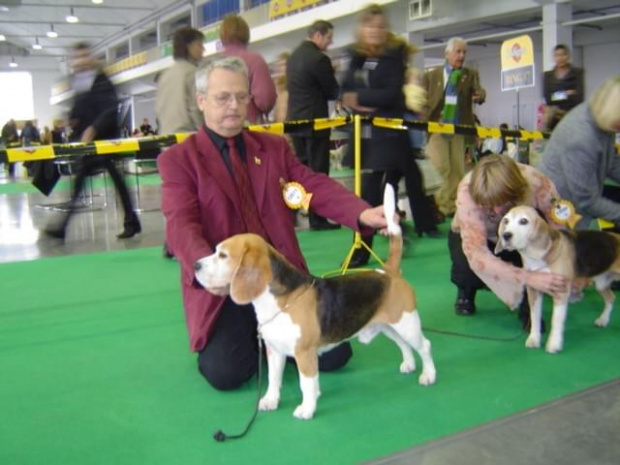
{"points": [[574, 254], [301, 316]]}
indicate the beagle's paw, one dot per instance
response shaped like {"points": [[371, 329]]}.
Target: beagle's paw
{"points": [[268, 403], [602, 321], [427, 378], [304, 412], [533, 341], [554, 345], [407, 367]]}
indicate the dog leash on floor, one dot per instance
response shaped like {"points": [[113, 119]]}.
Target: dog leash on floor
{"points": [[219, 435]]}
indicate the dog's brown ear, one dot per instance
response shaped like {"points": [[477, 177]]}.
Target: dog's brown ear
{"points": [[251, 277], [543, 234]]}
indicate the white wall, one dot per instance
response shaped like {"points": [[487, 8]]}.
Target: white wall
{"points": [[42, 82]]}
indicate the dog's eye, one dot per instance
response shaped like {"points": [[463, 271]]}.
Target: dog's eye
{"points": [[523, 221], [222, 255]]}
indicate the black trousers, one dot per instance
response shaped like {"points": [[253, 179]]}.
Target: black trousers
{"points": [[420, 204], [314, 153], [88, 166], [461, 274], [230, 358]]}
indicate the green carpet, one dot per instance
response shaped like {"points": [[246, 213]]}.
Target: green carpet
{"points": [[95, 369]]}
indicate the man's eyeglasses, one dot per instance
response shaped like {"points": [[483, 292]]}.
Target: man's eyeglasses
{"points": [[226, 99]]}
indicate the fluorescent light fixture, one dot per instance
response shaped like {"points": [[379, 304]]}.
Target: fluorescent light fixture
{"points": [[97, 2], [2, 37], [36, 45], [12, 64], [52, 34], [72, 18]]}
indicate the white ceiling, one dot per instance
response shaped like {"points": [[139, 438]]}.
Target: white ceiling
{"points": [[23, 22]]}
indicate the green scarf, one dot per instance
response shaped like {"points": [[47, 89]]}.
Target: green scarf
{"points": [[450, 112]]}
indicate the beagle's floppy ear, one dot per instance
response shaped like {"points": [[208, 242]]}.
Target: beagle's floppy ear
{"points": [[251, 277], [543, 235]]}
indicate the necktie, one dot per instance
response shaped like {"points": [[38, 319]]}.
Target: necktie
{"points": [[244, 188]]}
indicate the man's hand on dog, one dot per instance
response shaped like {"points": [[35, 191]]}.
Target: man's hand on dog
{"points": [[549, 283], [375, 218]]}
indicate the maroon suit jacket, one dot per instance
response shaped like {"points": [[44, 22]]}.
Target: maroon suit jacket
{"points": [[200, 203]]}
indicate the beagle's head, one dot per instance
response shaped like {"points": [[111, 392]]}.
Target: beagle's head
{"points": [[520, 228], [239, 266]]}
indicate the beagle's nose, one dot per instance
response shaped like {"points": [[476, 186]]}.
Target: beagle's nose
{"points": [[507, 236], [197, 266]]}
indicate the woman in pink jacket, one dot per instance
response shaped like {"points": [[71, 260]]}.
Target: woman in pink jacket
{"points": [[235, 37]]}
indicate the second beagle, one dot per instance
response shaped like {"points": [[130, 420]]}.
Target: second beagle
{"points": [[574, 254], [301, 316]]}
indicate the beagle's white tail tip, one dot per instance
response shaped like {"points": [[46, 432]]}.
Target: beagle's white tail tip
{"points": [[389, 209]]}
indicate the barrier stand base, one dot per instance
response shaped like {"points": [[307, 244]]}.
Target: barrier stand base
{"points": [[358, 243]]}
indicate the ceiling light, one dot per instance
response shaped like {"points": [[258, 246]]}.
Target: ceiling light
{"points": [[12, 64], [52, 34], [72, 18], [97, 2], [4, 9], [36, 45], [2, 37]]}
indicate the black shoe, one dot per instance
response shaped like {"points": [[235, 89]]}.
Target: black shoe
{"points": [[464, 304], [55, 233], [360, 258], [131, 228], [167, 253], [324, 226], [431, 233]]}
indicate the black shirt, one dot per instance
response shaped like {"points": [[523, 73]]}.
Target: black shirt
{"points": [[220, 143]]}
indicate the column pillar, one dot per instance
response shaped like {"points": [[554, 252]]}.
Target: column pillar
{"points": [[553, 32]]}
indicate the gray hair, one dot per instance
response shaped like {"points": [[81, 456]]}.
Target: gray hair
{"points": [[233, 64], [452, 42], [604, 104]]}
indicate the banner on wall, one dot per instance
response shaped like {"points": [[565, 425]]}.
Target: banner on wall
{"points": [[279, 8], [518, 67]]}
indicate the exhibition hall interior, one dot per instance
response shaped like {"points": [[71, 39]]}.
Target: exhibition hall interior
{"points": [[137, 136]]}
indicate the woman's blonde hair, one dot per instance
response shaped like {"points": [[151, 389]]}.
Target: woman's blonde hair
{"points": [[605, 104], [497, 180]]}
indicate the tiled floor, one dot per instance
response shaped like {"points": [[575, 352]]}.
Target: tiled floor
{"points": [[580, 429]]}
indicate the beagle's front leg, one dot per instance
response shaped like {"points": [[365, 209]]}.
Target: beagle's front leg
{"points": [[556, 338], [535, 299], [275, 367], [308, 366]]}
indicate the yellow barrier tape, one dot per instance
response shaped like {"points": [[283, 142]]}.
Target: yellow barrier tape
{"points": [[106, 147], [274, 128], [531, 135], [440, 128], [180, 137], [493, 133], [390, 123], [604, 224], [45, 152], [327, 123]]}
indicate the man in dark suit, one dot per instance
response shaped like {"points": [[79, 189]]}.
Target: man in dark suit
{"points": [[452, 90], [94, 116], [224, 181], [311, 84]]}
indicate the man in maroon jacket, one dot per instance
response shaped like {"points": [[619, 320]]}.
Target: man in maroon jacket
{"points": [[204, 203]]}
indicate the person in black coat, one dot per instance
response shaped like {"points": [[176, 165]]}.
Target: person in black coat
{"points": [[94, 116], [563, 87], [373, 85], [311, 84]]}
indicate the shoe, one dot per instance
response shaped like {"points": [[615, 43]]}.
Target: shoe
{"points": [[431, 233], [167, 253], [326, 226], [464, 304], [132, 227], [360, 258], [55, 233]]}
